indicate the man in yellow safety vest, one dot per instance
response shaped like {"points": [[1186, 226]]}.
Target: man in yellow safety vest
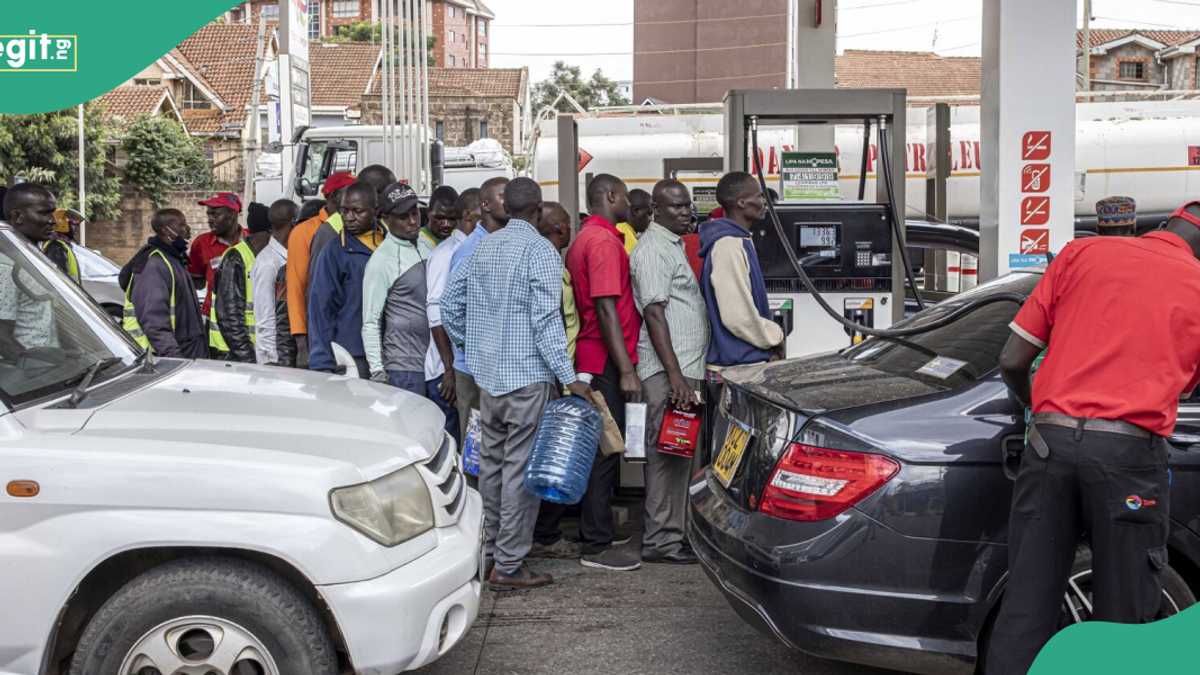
{"points": [[231, 317], [161, 309]]}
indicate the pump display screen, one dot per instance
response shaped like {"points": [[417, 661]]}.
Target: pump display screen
{"points": [[821, 236]]}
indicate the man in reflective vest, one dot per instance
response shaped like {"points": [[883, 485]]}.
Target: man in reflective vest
{"points": [[231, 322], [59, 248], [161, 310]]}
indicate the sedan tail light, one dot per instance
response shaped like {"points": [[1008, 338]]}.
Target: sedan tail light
{"points": [[812, 483]]}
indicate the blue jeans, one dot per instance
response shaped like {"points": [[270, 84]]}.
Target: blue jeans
{"points": [[408, 380], [433, 394]]}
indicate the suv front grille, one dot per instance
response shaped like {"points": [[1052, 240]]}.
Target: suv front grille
{"points": [[447, 488]]}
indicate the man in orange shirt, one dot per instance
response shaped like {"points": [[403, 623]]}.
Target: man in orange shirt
{"points": [[299, 242]]}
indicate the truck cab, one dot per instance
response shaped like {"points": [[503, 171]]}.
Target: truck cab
{"points": [[326, 150]]}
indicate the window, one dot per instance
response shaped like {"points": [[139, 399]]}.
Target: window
{"points": [[482, 54], [193, 98], [58, 335], [440, 130], [451, 37], [451, 11], [345, 9], [483, 129], [482, 28], [314, 19], [1132, 70], [270, 12], [975, 340], [452, 61]]}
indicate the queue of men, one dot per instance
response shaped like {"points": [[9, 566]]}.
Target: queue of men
{"points": [[486, 307]]}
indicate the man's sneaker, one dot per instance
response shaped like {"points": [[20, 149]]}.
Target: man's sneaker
{"points": [[683, 556], [561, 550], [524, 578], [612, 558]]}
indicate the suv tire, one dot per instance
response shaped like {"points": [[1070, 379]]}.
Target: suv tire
{"points": [[232, 593]]}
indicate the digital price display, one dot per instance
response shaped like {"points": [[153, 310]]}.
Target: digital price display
{"points": [[820, 240]]}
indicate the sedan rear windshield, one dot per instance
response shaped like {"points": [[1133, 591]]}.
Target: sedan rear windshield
{"points": [[963, 350]]}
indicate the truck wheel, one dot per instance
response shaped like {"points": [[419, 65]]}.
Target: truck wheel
{"points": [[210, 615]]}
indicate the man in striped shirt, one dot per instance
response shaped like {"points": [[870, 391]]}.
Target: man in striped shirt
{"points": [[505, 302], [671, 350]]}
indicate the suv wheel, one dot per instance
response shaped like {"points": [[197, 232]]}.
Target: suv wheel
{"points": [[212, 615]]}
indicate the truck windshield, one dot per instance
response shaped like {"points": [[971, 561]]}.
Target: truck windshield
{"points": [[967, 348], [51, 334]]}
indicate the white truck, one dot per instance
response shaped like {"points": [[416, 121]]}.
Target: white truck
{"points": [[170, 516], [325, 150]]}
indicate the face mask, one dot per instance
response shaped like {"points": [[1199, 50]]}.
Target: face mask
{"points": [[180, 245]]}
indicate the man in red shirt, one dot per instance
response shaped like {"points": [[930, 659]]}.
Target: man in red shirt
{"points": [[207, 249], [1121, 348], [606, 350]]}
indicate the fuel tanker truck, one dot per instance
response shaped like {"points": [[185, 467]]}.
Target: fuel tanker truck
{"points": [[1146, 150]]}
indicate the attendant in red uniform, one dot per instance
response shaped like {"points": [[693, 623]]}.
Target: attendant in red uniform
{"points": [[606, 350], [207, 249], [1122, 347]]}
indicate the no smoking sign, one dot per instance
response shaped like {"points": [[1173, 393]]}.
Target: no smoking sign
{"points": [[1035, 241], [1035, 210]]}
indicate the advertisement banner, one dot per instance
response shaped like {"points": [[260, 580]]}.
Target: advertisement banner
{"points": [[809, 177]]}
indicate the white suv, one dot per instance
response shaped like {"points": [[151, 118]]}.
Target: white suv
{"points": [[168, 516]]}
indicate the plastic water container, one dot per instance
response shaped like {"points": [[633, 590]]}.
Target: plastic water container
{"points": [[563, 450]]}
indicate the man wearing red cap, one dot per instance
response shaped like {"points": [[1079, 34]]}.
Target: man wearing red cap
{"points": [[1121, 349], [207, 249], [299, 249]]}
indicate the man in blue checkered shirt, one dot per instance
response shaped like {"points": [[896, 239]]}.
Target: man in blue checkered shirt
{"points": [[504, 302]]}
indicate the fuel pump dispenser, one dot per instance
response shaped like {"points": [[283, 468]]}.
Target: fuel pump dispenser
{"points": [[847, 249]]}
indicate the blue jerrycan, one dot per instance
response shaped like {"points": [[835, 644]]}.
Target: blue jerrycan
{"points": [[563, 450]]}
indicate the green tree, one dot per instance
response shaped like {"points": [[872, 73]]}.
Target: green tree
{"points": [[365, 31], [596, 91], [162, 156], [44, 148]]}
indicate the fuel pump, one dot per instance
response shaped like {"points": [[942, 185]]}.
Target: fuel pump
{"points": [[831, 267]]}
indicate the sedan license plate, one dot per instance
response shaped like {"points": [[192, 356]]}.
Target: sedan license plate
{"points": [[736, 441]]}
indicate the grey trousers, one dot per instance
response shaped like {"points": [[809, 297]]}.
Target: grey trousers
{"points": [[466, 398], [508, 424], [666, 475]]}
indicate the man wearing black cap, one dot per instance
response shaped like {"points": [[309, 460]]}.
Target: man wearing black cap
{"points": [[335, 295], [1120, 350], [231, 324], [395, 326]]}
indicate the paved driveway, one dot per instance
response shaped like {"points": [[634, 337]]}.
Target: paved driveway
{"points": [[661, 619]]}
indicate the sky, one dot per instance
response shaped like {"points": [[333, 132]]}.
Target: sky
{"points": [[593, 35]]}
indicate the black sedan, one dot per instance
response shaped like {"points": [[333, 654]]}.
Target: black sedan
{"points": [[855, 505]]}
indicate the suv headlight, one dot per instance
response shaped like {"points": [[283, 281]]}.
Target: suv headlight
{"points": [[390, 510]]}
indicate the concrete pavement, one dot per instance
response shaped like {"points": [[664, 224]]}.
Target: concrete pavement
{"points": [[661, 619]]}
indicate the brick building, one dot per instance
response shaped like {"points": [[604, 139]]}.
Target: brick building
{"points": [[467, 104], [210, 77], [683, 52], [1139, 59], [464, 27], [461, 28]]}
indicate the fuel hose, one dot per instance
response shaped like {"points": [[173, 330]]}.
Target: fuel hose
{"points": [[808, 284]]}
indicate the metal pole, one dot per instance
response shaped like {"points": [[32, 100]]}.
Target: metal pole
{"points": [[1087, 46], [251, 148], [410, 106], [82, 180], [422, 46], [385, 83], [402, 28]]}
